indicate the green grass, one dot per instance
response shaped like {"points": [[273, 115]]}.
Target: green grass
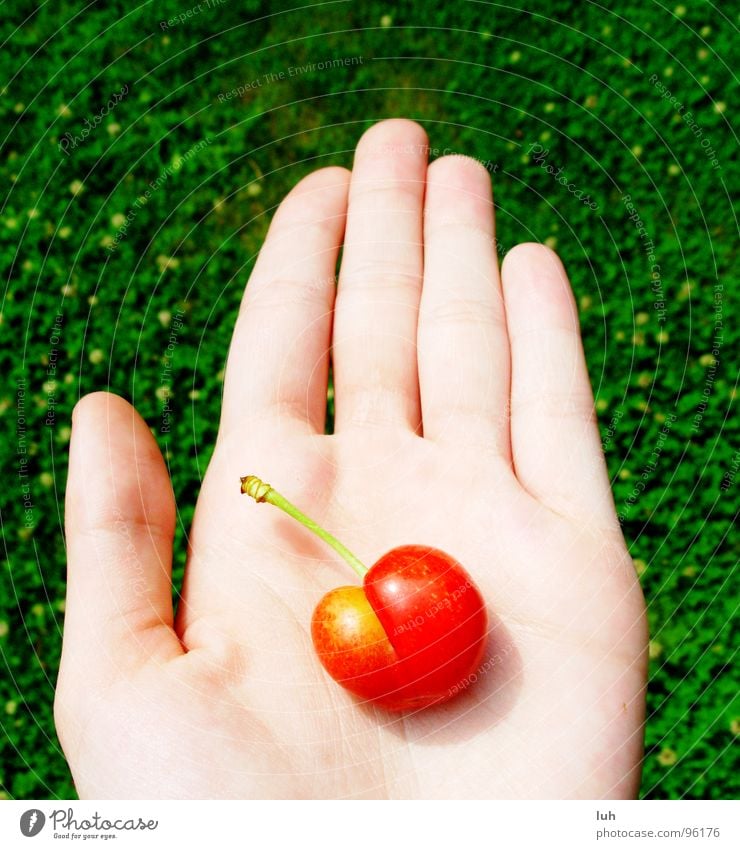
{"points": [[486, 79]]}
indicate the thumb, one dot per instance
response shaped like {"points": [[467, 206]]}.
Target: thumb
{"points": [[120, 522]]}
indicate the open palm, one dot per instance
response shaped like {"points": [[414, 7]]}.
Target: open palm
{"points": [[464, 420]]}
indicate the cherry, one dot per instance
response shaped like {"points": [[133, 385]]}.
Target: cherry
{"points": [[411, 636]]}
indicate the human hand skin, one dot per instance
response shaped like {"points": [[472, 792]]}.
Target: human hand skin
{"points": [[464, 420]]}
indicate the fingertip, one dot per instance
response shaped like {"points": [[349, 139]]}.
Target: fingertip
{"points": [[99, 404], [394, 135], [323, 179], [536, 288], [533, 258]]}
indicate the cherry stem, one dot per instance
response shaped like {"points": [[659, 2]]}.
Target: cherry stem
{"points": [[261, 491]]}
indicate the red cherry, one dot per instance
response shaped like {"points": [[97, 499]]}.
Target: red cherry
{"points": [[409, 637]]}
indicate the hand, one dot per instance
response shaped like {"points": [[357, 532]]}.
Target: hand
{"points": [[464, 420]]}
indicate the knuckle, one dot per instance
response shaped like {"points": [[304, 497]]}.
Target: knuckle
{"points": [[378, 280], [280, 292], [465, 312]]}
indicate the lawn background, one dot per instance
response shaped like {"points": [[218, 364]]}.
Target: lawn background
{"points": [[487, 79]]}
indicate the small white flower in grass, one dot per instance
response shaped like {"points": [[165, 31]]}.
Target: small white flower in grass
{"points": [[668, 71], [165, 317], [64, 433], [194, 394], [719, 107], [11, 223], [50, 386], [637, 150], [655, 650], [64, 111], [253, 189], [680, 10], [106, 241], [549, 106], [46, 479], [65, 232], [164, 262], [18, 108], [640, 566], [96, 356], [11, 707], [4, 629], [674, 169], [702, 53], [515, 55], [76, 187], [118, 220], [704, 31], [551, 242], [386, 21], [113, 128], [163, 392], [33, 212], [38, 610], [667, 757]]}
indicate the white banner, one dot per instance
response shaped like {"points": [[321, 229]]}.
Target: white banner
{"points": [[373, 825]]}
